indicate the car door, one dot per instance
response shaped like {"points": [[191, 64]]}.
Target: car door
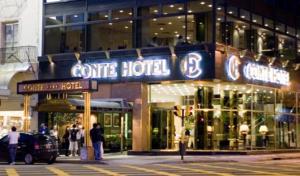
{"points": [[4, 148], [23, 145]]}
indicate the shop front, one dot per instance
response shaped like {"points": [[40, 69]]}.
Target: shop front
{"points": [[231, 102]]}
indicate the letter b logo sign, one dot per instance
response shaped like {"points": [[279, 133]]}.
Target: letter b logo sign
{"points": [[190, 65]]}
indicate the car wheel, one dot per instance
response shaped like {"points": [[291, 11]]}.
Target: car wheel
{"points": [[51, 160], [28, 158]]}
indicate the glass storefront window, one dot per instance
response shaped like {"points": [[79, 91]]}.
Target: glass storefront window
{"points": [[54, 40], [168, 31], [199, 6], [150, 11], [290, 31], [286, 47], [263, 41], [54, 20], [286, 102], [75, 18], [285, 131], [256, 19], [280, 27], [109, 36], [172, 8], [268, 23], [232, 11], [94, 16], [75, 39], [244, 14], [121, 14]]}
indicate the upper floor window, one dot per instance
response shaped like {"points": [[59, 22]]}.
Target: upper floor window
{"points": [[54, 20], [75, 18], [173, 8], [95, 16], [121, 14], [11, 34]]}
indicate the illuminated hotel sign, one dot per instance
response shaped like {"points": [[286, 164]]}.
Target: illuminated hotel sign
{"points": [[30, 87], [253, 71], [256, 72], [153, 68]]}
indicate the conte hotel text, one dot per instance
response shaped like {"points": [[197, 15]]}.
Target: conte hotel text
{"points": [[76, 85]]}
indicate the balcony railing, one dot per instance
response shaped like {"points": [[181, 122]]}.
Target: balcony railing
{"points": [[20, 54]]}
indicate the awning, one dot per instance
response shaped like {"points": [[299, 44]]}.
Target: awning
{"points": [[7, 71], [77, 105]]}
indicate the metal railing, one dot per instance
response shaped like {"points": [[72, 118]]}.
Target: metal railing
{"points": [[20, 54]]}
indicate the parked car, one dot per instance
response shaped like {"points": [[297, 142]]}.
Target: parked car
{"points": [[31, 148]]}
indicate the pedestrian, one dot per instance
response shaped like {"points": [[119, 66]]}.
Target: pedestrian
{"points": [[79, 137], [101, 140], [13, 137], [73, 137], [43, 129], [66, 142], [95, 135]]}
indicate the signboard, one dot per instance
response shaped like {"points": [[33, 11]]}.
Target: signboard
{"points": [[252, 71], [80, 85], [151, 68]]}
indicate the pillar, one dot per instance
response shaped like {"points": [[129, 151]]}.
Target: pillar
{"points": [[87, 118], [26, 113]]}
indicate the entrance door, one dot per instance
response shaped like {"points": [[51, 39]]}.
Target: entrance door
{"points": [[162, 129]]}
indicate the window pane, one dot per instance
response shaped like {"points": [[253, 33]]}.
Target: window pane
{"points": [[269, 23], [173, 8], [199, 6], [286, 47], [263, 41], [163, 31], [110, 36], [291, 31], [150, 11], [75, 38], [76, 18], [54, 20], [54, 40], [280, 27], [245, 14], [11, 34], [121, 14], [94, 16], [256, 19]]}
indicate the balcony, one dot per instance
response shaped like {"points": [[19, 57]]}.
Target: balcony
{"points": [[20, 54]]}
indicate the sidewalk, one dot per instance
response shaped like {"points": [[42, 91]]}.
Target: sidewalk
{"points": [[117, 158]]}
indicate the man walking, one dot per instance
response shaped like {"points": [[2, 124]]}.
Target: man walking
{"points": [[73, 140], [13, 137], [95, 134]]}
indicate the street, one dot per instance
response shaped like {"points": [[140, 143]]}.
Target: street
{"points": [[162, 165]]}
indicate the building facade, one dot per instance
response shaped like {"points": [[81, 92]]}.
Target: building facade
{"points": [[224, 74], [20, 44]]}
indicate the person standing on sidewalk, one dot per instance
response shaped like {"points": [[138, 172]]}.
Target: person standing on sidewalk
{"points": [[101, 140], [73, 140], [13, 137], [95, 134]]}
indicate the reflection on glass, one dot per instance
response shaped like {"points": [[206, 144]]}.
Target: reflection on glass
{"points": [[75, 18], [121, 14], [173, 8], [94, 16], [110, 36], [54, 20]]}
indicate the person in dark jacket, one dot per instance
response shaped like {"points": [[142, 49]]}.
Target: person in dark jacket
{"points": [[66, 141], [95, 134]]}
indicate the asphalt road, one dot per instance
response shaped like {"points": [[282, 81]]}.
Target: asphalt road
{"points": [[277, 167]]}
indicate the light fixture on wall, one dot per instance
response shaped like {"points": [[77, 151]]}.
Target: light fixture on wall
{"points": [[258, 57], [172, 50], [139, 53], [107, 54], [77, 56], [243, 53], [271, 60], [50, 59]]}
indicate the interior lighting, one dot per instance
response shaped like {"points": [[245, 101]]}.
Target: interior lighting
{"points": [[254, 21], [190, 11], [230, 12], [202, 3], [154, 19], [121, 11], [130, 13], [155, 11], [209, 5], [161, 28], [169, 22], [180, 8], [266, 25], [219, 8], [243, 16], [171, 5]]}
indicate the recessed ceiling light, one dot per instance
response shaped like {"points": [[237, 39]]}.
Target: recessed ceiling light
{"points": [[179, 17], [209, 5], [169, 22], [161, 28], [121, 11], [171, 5], [180, 8], [254, 21], [202, 3], [126, 27], [154, 19], [190, 11], [243, 16], [110, 24], [230, 12], [155, 11], [219, 8]]}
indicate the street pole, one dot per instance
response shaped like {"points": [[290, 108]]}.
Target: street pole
{"points": [[182, 143]]}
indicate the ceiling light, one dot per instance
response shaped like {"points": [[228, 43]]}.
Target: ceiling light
{"points": [[106, 16], [110, 24], [161, 28], [155, 11], [219, 8], [254, 21], [202, 3], [170, 23], [179, 17], [121, 11], [230, 12], [154, 19], [129, 13], [180, 8], [126, 27], [166, 13], [243, 16], [266, 25], [209, 5], [219, 19], [171, 5]]}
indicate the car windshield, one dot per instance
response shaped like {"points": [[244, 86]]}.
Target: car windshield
{"points": [[4, 139]]}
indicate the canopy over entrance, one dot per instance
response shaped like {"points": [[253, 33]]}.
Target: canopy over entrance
{"points": [[77, 105]]}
